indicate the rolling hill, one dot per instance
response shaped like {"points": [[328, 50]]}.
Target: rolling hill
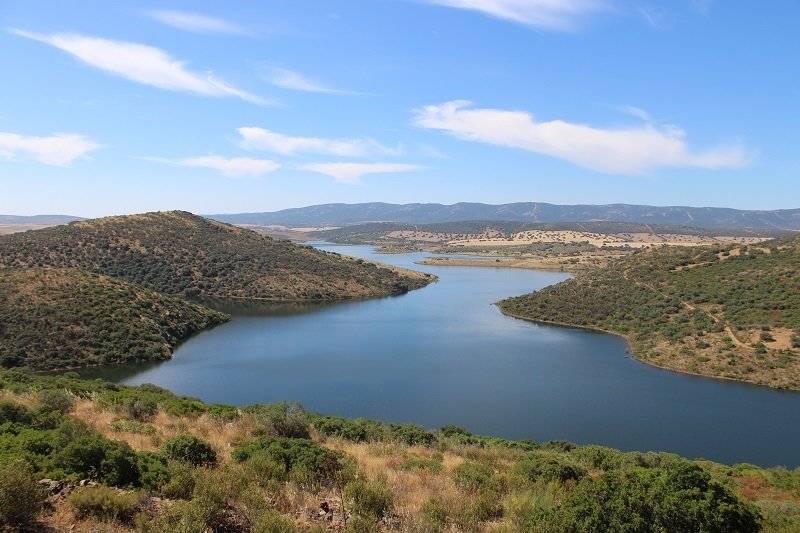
{"points": [[347, 214], [65, 318], [728, 312], [180, 253]]}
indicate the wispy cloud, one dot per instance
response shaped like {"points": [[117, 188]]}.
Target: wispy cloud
{"points": [[58, 150], [289, 79], [629, 151], [140, 63], [194, 22], [254, 138], [352, 172], [700, 6], [560, 15], [231, 167]]}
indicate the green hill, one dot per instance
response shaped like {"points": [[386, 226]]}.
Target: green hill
{"points": [[728, 312], [60, 318], [180, 253]]}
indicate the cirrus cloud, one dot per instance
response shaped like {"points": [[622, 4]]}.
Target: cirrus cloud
{"points": [[289, 79], [254, 138], [58, 150], [629, 151], [194, 22], [233, 167], [547, 14], [352, 172], [140, 63]]}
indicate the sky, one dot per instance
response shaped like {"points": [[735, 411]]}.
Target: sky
{"points": [[241, 106]]}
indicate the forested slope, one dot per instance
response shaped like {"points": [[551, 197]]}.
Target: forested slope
{"points": [[731, 312], [58, 318], [180, 253]]}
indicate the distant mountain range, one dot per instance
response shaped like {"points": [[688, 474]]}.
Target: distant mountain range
{"points": [[38, 219], [777, 221]]}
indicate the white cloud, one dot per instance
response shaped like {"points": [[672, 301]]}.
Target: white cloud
{"points": [[234, 167], [352, 172], [58, 150], [629, 151], [254, 138], [289, 79], [547, 14], [194, 22], [140, 63]]}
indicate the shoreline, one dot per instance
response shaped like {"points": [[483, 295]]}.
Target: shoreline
{"points": [[633, 355]]}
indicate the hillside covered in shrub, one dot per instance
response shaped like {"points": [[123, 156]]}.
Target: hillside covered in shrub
{"points": [[179, 253], [143, 459], [60, 318], [731, 312]]}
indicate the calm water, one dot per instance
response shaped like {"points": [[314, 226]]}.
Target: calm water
{"points": [[445, 355]]}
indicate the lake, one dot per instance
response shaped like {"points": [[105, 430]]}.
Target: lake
{"points": [[445, 355]]}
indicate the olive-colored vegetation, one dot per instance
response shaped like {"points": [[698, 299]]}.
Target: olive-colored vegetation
{"points": [[60, 318], [199, 467], [730, 312], [179, 253]]}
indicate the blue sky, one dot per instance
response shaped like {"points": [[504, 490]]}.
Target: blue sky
{"points": [[212, 107]]}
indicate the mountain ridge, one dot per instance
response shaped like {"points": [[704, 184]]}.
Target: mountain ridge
{"points": [[340, 214]]}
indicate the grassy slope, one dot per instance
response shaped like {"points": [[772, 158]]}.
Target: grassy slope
{"points": [[177, 252], [731, 312], [57, 318], [445, 480]]}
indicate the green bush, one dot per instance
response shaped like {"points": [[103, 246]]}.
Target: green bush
{"points": [[282, 419], [179, 484], [362, 524], [89, 455], [470, 476], [105, 503], [140, 409], [59, 401], [273, 522], [372, 500], [681, 498], [299, 457], [190, 449], [540, 467], [14, 413], [434, 515], [21, 498]]}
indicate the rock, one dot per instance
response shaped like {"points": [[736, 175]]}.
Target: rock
{"points": [[325, 507]]}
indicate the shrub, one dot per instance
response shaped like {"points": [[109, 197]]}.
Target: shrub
{"points": [[179, 517], [434, 515], [140, 409], [362, 524], [299, 457], [372, 500], [90, 455], [153, 473], [14, 413], [535, 467], [105, 503], [180, 481], [681, 498], [282, 419], [472, 477], [190, 449], [272, 522], [225, 413], [59, 401], [21, 498]]}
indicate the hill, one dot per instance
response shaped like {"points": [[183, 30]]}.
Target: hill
{"points": [[161, 462], [728, 312], [179, 253], [62, 318], [347, 214]]}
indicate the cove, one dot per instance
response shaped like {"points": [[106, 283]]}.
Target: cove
{"points": [[445, 355]]}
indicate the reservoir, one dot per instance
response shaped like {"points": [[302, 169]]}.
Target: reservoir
{"points": [[445, 355]]}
